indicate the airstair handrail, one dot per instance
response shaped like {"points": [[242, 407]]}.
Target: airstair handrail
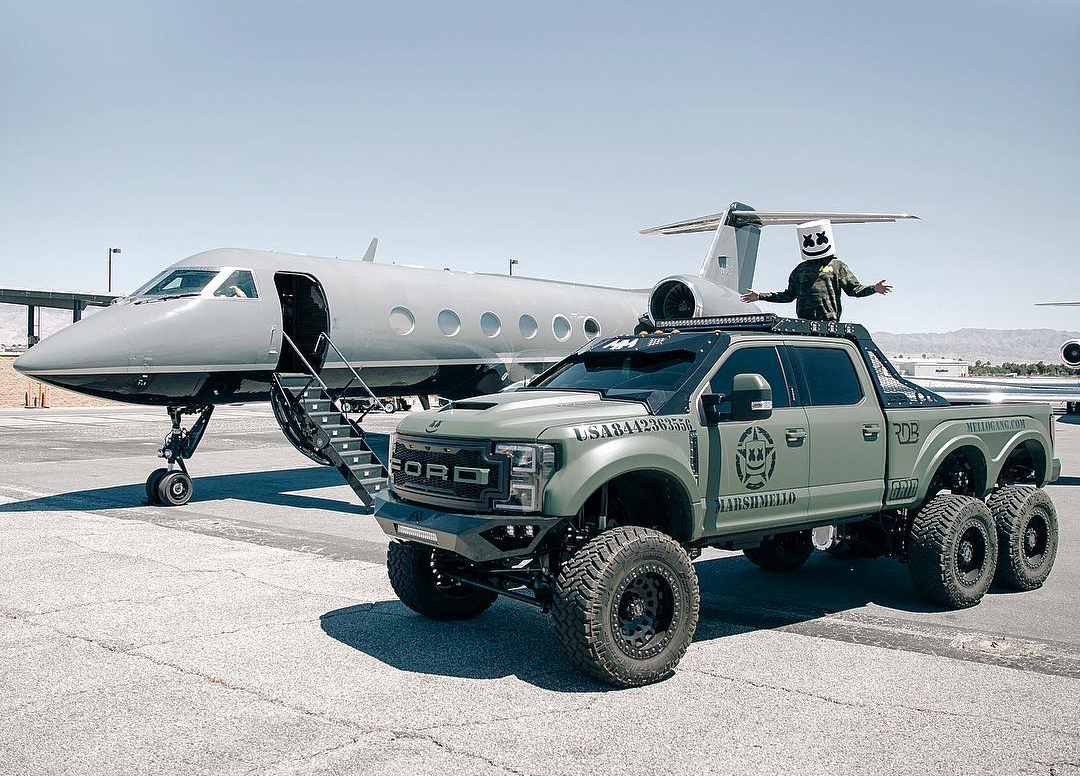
{"points": [[355, 374], [310, 369]]}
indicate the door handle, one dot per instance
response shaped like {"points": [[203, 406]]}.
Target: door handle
{"points": [[795, 436], [870, 431]]}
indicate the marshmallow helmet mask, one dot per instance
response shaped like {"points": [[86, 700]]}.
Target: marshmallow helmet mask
{"points": [[816, 240]]}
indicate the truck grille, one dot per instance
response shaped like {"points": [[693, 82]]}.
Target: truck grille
{"points": [[448, 472]]}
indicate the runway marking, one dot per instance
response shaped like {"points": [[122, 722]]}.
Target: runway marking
{"points": [[22, 422]]}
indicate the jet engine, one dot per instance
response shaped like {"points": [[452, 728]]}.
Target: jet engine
{"points": [[690, 296], [1070, 353]]}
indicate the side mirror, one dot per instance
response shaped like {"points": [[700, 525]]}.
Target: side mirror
{"points": [[751, 398], [710, 408]]}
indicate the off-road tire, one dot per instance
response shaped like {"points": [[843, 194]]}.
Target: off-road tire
{"points": [[413, 572], [597, 596], [938, 560], [1027, 535], [782, 552]]}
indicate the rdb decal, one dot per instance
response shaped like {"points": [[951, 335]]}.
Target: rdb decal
{"points": [[900, 490]]}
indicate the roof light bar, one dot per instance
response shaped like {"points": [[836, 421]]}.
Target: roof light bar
{"points": [[769, 322]]}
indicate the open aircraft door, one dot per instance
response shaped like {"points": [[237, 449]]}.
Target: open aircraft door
{"points": [[305, 315]]}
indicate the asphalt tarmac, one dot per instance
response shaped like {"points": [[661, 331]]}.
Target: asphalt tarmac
{"points": [[254, 631]]}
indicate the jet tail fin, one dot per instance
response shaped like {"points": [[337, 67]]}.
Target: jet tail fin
{"points": [[732, 256], [369, 254]]}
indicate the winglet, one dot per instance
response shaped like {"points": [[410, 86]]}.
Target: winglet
{"points": [[369, 254]]}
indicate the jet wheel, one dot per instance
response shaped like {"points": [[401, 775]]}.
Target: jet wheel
{"points": [[174, 489], [152, 485]]}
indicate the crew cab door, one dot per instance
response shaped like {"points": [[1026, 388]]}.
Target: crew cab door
{"points": [[758, 471], [847, 430]]}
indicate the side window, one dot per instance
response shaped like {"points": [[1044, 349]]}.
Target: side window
{"points": [[238, 285], [830, 376], [757, 361]]}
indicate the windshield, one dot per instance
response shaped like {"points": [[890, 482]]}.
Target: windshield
{"points": [[660, 370], [178, 281], [638, 375]]}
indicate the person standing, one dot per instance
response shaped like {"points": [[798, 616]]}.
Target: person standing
{"points": [[816, 283]]}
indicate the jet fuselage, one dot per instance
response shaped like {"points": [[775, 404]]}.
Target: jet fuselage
{"points": [[408, 330]]}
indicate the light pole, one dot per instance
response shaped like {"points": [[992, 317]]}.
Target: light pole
{"points": [[512, 263], [111, 252]]}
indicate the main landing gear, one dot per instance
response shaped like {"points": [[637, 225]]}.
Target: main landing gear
{"points": [[172, 486]]}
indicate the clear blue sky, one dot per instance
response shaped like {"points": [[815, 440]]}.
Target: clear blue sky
{"points": [[465, 133]]}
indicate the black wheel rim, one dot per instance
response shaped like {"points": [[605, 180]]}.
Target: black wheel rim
{"points": [[971, 553], [1035, 539], [644, 608]]}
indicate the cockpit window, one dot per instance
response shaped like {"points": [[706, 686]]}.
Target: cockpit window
{"points": [[238, 285], [178, 281]]}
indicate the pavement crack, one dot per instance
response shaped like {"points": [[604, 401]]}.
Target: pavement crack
{"points": [[856, 705], [419, 735], [107, 601], [585, 707], [130, 651]]}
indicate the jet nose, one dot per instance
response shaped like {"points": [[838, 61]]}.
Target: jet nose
{"points": [[95, 345]]}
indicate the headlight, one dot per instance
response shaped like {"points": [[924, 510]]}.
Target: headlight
{"points": [[390, 457], [530, 468]]}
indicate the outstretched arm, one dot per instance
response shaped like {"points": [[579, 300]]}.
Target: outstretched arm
{"points": [[787, 295], [852, 287]]}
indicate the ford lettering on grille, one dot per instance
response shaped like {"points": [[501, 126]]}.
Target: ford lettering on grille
{"points": [[447, 472]]}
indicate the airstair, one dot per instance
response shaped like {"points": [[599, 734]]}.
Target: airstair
{"points": [[324, 423]]}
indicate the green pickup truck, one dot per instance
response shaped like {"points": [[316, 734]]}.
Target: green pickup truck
{"points": [[590, 491]]}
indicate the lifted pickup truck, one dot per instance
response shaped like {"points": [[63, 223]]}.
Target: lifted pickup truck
{"points": [[589, 492]]}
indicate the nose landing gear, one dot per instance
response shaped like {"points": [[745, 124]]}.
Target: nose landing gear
{"points": [[172, 486]]}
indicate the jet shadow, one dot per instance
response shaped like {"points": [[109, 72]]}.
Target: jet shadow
{"points": [[266, 487], [269, 487], [514, 639]]}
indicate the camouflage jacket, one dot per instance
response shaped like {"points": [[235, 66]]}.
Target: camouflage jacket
{"points": [[815, 286]]}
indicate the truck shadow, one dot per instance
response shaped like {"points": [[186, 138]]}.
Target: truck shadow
{"points": [[266, 487], [513, 639]]}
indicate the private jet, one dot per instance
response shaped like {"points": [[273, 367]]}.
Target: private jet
{"points": [[322, 339]]}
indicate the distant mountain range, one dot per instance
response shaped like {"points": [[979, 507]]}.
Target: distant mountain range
{"points": [[996, 346], [993, 345]]}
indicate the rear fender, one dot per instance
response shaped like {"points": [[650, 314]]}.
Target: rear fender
{"points": [[933, 457]]}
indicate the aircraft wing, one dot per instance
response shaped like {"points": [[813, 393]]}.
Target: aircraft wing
{"points": [[709, 223], [1001, 390], [1057, 304]]}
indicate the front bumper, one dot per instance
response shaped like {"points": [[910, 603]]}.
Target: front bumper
{"points": [[479, 538]]}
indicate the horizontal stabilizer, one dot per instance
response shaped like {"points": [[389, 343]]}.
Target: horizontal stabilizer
{"points": [[739, 218]]}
